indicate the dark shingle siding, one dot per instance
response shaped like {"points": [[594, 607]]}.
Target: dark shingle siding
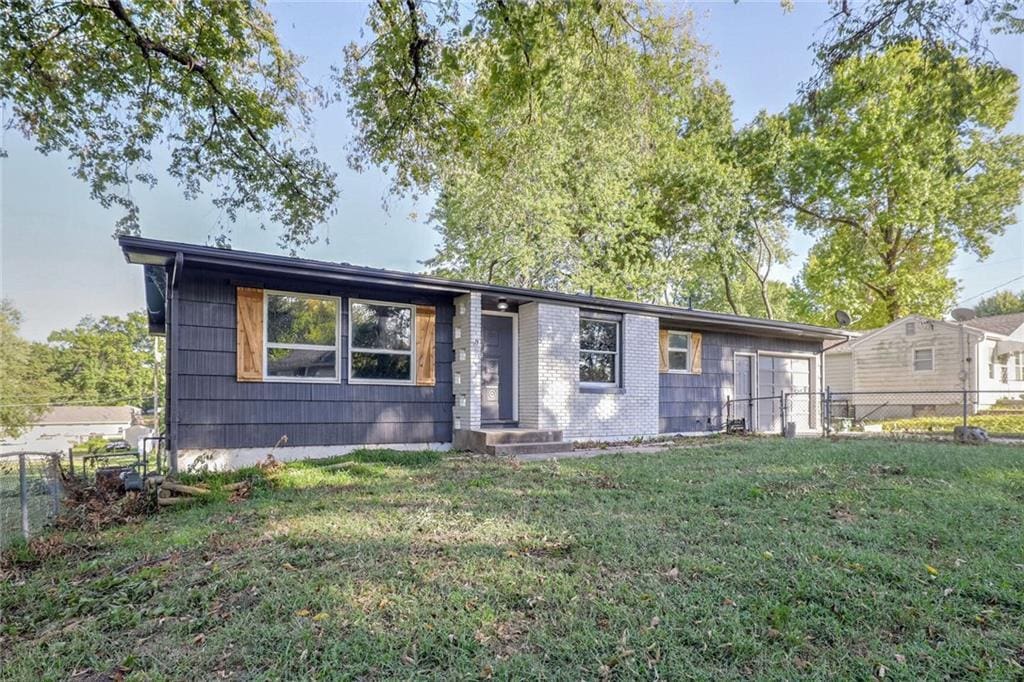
{"points": [[216, 411], [688, 401]]}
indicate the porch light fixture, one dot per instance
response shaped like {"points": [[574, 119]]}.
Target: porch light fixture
{"points": [[502, 304]]}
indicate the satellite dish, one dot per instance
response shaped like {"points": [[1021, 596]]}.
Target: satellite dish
{"points": [[963, 314], [843, 318]]}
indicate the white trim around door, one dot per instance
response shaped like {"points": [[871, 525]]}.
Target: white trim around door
{"points": [[515, 357]]}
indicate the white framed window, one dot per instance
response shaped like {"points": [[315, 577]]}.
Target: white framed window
{"points": [[678, 352], [910, 328], [1019, 361], [599, 352], [381, 342], [301, 337], [924, 359]]}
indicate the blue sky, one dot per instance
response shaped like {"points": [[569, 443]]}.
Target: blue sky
{"points": [[58, 262]]}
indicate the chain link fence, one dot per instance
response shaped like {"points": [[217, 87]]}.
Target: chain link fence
{"points": [[891, 413], [999, 413], [31, 491]]}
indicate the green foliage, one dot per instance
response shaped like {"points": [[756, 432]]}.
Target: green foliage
{"points": [[207, 81], [874, 25], [25, 386], [572, 146], [899, 159], [106, 361], [1011, 424], [1000, 303], [92, 445]]}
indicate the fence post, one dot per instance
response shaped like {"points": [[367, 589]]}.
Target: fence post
{"points": [[965, 407], [56, 488], [728, 412], [782, 410], [71, 461], [23, 494], [827, 426]]}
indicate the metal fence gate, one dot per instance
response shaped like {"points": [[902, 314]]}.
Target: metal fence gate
{"points": [[31, 490]]}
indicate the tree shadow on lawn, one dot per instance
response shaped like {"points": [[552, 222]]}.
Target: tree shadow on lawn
{"points": [[544, 570]]}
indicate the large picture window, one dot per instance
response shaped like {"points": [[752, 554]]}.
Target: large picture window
{"points": [[380, 341], [599, 352], [301, 337]]}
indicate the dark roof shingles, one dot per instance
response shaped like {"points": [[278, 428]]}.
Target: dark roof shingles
{"points": [[998, 324]]}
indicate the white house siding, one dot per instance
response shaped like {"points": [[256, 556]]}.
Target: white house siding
{"points": [[59, 437], [549, 388], [838, 371], [883, 368], [993, 389]]}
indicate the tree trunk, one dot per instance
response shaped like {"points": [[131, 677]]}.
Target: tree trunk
{"points": [[728, 292], [769, 313]]}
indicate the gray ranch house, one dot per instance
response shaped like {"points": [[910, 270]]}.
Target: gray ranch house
{"points": [[313, 359]]}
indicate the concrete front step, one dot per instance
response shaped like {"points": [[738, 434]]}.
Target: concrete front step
{"points": [[517, 435], [479, 440], [513, 449]]}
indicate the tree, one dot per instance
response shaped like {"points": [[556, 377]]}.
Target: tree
{"points": [[107, 81], [1000, 303], [572, 146], [25, 385], [897, 161], [106, 361], [859, 28]]}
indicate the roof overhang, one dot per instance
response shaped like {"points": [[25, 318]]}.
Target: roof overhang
{"points": [[142, 251], [1007, 346]]}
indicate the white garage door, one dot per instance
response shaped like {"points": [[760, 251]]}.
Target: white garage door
{"points": [[780, 374]]}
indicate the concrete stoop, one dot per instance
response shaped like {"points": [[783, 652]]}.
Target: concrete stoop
{"points": [[510, 441]]}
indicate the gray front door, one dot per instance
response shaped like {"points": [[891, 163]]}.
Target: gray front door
{"points": [[743, 377], [496, 369]]}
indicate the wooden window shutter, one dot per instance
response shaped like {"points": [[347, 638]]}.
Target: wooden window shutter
{"points": [[695, 350], [426, 324], [249, 347], [663, 350]]}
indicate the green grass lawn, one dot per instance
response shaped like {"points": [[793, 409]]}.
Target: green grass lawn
{"points": [[743, 558]]}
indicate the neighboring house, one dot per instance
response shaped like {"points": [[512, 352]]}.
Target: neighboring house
{"points": [[61, 427], [331, 356], [924, 355]]}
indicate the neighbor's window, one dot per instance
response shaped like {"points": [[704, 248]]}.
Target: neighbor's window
{"points": [[380, 340], [911, 329], [599, 352], [678, 351], [1020, 365], [302, 337], [923, 360]]}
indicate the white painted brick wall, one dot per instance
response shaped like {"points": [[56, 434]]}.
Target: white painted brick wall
{"points": [[550, 394], [466, 364]]}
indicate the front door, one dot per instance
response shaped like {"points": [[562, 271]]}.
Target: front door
{"points": [[496, 367]]}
